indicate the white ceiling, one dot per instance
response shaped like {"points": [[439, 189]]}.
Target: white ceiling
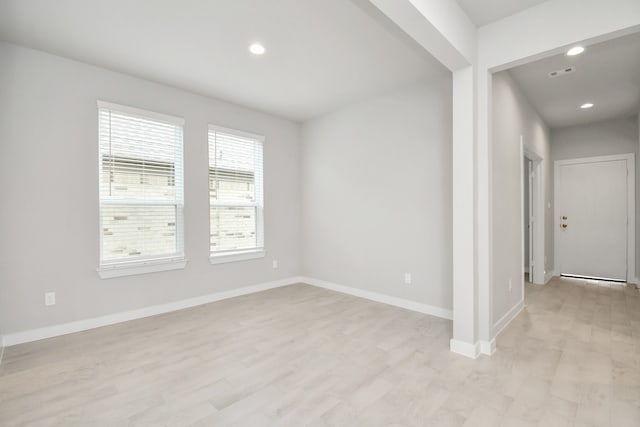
{"points": [[607, 74], [321, 54], [483, 12]]}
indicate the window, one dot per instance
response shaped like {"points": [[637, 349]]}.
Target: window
{"points": [[235, 195], [141, 191]]}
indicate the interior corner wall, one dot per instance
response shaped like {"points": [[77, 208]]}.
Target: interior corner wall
{"points": [[620, 136], [514, 116], [377, 201], [49, 173]]}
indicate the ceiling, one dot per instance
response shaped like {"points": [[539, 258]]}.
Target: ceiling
{"points": [[483, 12], [607, 74], [321, 54]]}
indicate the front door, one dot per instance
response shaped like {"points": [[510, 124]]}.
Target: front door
{"points": [[592, 204]]}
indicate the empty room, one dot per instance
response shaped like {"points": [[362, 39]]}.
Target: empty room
{"points": [[320, 212]]}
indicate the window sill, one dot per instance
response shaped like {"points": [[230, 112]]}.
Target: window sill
{"points": [[237, 256], [129, 269]]}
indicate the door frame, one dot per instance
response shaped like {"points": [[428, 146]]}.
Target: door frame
{"points": [[631, 207], [537, 202], [529, 215]]}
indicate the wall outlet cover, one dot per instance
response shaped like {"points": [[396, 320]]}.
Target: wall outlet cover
{"points": [[50, 298]]}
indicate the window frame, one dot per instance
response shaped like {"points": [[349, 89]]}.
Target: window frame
{"points": [[143, 264], [259, 251]]}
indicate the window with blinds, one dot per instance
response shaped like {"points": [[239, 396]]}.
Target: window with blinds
{"points": [[141, 185], [235, 191]]}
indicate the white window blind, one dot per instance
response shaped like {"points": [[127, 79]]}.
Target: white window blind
{"points": [[141, 185], [235, 191]]}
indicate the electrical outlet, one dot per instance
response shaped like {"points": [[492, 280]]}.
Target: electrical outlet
{"points": [[407, 278], [510, 285], [50, 298], [275, 263]]}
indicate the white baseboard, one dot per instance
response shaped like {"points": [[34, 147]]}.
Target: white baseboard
{"points": [[473, 350], [110, 319], [378, 297], [1, 348], [465, 349], [507, 318], [488, 347], [548, 276]]}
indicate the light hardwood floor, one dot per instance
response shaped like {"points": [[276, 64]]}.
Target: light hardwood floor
{"points": [[300, 355]]}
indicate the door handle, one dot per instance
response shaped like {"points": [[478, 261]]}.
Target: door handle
{"points": [[564, 218], [564, 226]]}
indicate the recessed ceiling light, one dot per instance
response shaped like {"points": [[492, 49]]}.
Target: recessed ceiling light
{"points": [[257, 49], [576, 50], [586, 105]]}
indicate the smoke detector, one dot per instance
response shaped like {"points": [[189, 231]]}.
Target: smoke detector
{"points": [[562, 72]]}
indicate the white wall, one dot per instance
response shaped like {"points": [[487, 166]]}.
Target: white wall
{"points": [[514, 116], [377, 199], [601, 139], [49, 174], [595, 139]]}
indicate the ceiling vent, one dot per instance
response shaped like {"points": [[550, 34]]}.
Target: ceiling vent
{"points": [[562, 72]]}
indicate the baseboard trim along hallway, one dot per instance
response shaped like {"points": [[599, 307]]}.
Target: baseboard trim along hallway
{"points": [[547, 277], [507, 318]]}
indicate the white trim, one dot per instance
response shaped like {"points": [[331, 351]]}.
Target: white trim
{"points": [[96, 322], [382, 298], [522, 216], [217, 204], [216, 128], [504, 321], [631, 206], [488, 347], [549, 276], [108, 271], [236, 256], [465, 349], [1, 348], [538, 206], [139, 112], [110, 319]]}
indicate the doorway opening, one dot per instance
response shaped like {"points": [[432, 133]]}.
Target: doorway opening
{"points": [[528, 219], [532, 222]]}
